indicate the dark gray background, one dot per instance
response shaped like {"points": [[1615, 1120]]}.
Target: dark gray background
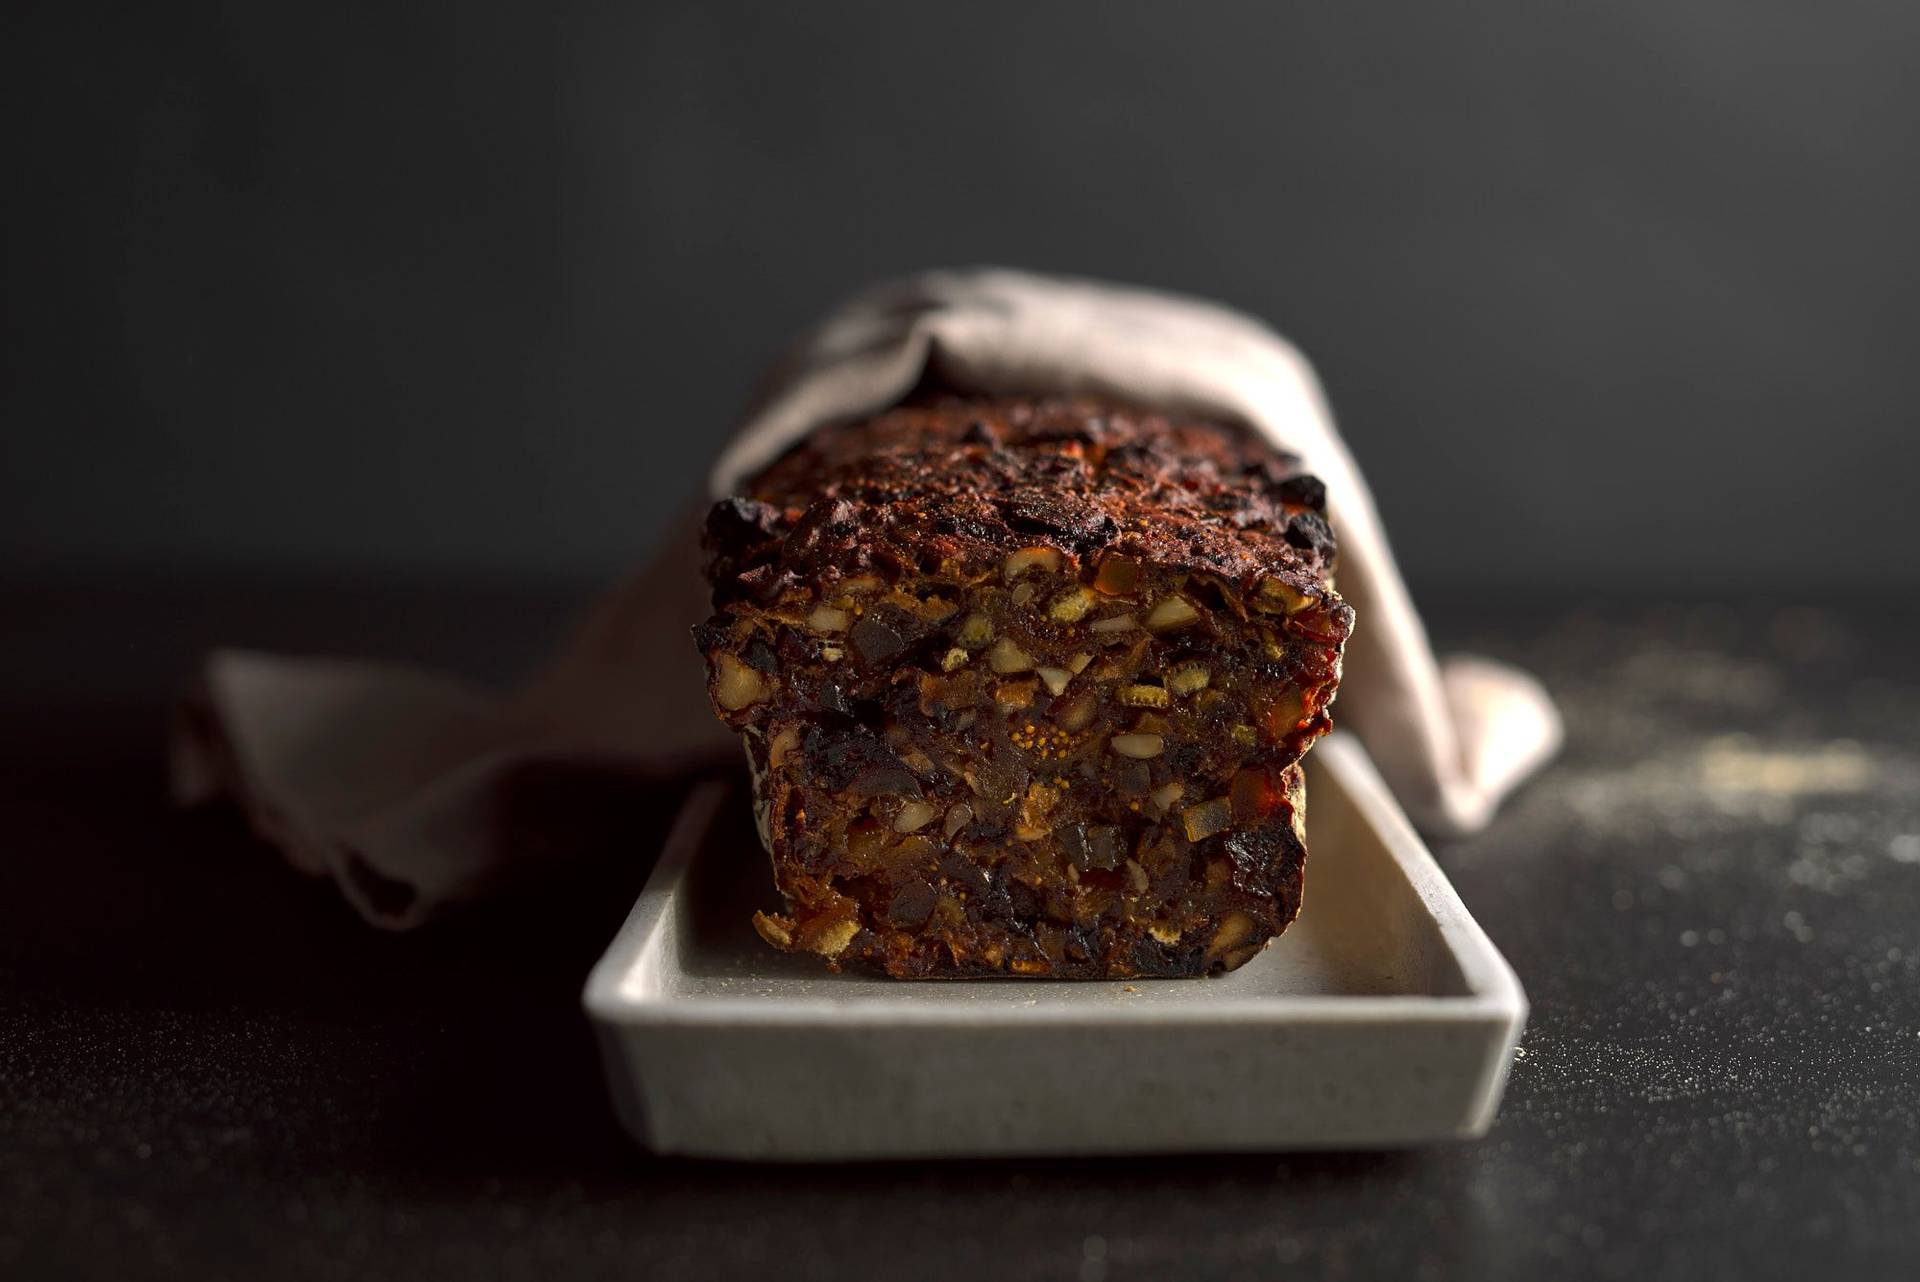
{"points": [[1613, 294]]}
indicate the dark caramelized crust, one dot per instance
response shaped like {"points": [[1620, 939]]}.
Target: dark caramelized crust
{"points": [[1025, 684]]}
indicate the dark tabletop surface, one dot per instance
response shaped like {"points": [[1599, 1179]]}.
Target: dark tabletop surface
{"points": [[210, 1068]]}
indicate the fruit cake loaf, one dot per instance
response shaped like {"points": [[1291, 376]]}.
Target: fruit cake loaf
{"points": [[1025, 684]]}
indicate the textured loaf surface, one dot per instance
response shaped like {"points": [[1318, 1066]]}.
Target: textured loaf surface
{"points": [[1025, 684]]}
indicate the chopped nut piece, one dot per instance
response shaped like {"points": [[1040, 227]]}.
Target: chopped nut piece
{"points": [[832, 653], [862, 583], [1236, 928], [774, 930], [958, 817], [1143, 696], [1276, 596], [1319, 625], [833, 939], [1033, 823], [827, 619], [1136, 878], [1078, 663], [1171, 612], [1014, 694], [1008, 658], [1139, 746], [975, 631], [955, 658], [914, 816], [1023, 593], [1242, 735], [1164, 933], [1044, 559], [900, 600], [1165, 795], [1284, 715], [937, 610], [1070, 606], [1207, 818], [1188, 679], [782, 746], [737, 686], [1116, 623], [1056, 679], [1150, 723]]}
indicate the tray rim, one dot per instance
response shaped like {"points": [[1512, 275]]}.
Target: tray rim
{"points": [[1494, 996]]}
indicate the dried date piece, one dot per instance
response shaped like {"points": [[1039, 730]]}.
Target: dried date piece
{"points": [[1025, 684]]}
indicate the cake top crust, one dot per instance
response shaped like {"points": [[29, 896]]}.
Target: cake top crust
{"points": [[952, 485]]}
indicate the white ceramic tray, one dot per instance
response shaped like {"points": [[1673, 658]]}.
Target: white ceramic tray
{"points": [[1383, 1018]]}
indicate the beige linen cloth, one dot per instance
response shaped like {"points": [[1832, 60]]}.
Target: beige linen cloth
{"points": [[396, 781]]}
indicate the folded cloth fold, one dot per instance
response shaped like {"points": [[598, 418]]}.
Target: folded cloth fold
{"points": [[390, 779]]}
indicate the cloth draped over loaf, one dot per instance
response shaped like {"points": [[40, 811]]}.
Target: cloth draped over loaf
{"points": [[395, 781]]}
